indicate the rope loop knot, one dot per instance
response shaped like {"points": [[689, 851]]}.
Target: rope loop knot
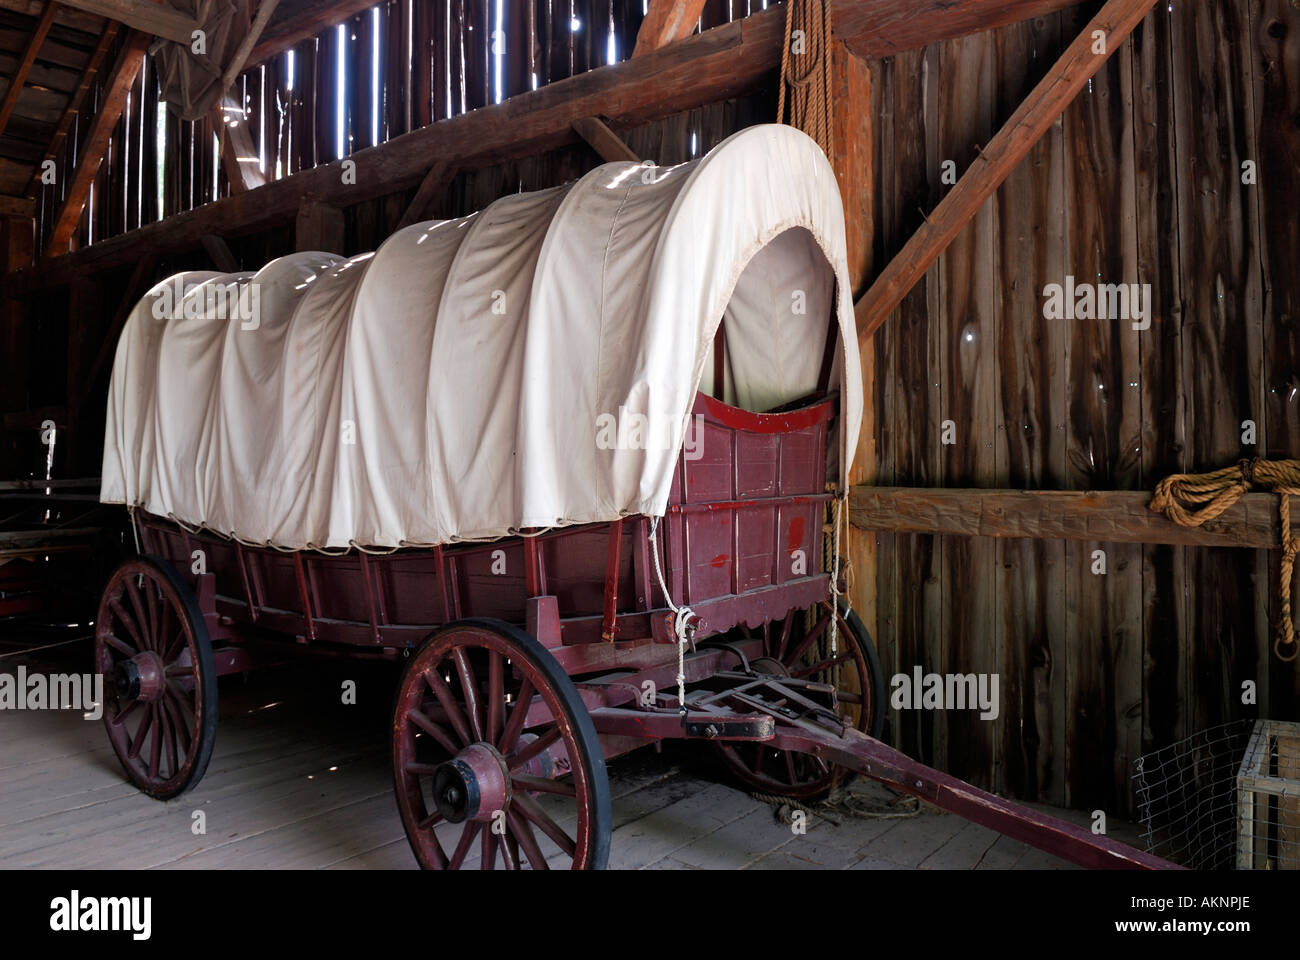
{"points": [[1192, 499]]}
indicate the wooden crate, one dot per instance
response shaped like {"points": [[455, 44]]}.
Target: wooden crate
{"points": [[1268, 798]]}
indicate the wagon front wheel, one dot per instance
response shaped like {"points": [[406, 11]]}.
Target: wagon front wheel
{"points": [[495, 759], [804, 647], [160, 683]]}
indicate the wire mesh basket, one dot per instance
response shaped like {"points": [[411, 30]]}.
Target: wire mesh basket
{"points": [[1227, 797]]}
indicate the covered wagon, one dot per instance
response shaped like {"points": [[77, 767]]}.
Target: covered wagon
{"points": [[579, 458]]}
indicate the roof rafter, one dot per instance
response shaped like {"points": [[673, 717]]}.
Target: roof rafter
{"points": [[149, 16], [665, 22], [93, 66], [128, 66], [19, 78]]}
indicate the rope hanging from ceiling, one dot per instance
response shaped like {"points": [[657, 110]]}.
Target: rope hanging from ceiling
{"points": [[804, 101]]}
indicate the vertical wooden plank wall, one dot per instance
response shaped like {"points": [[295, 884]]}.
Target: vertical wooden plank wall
{"points": [[1030, 626], [1274, 42], [1140, 182]]}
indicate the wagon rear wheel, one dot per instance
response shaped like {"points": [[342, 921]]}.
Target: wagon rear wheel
{"points": [[152, 648], [791, 648], [495, 758]]}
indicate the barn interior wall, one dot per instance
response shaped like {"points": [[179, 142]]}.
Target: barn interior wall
{"points": [[1141, 181]]}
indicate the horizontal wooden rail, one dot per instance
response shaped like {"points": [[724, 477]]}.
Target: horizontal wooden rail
{"points": [[1103, 516]]}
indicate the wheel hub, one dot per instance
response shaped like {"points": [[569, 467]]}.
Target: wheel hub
{"points": [[140, 678], [473, 785]]}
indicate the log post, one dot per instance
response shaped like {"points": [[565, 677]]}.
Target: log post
{"points": [[853, 161]]}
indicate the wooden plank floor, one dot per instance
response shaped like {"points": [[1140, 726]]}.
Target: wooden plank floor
{"points": [[300, 780]]}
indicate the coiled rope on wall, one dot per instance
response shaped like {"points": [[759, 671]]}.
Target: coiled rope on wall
{"points": [[805, 96], [1191, 499]]}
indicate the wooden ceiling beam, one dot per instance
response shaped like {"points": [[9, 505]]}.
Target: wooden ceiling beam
{"points": [[19, 78], [148, 16], [881, 28], [1054, 93], [667, 21], [96, 142], [75, 100]]}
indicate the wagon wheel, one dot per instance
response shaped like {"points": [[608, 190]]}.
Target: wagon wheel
{"points": [[790, 649], [152, 648], [495, 757]]}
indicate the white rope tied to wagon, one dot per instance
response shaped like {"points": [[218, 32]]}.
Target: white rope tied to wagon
{"points": [[683, 620], [835, 575]]}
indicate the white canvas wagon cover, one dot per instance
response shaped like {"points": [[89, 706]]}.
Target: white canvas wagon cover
{"points": [[529, 366]]}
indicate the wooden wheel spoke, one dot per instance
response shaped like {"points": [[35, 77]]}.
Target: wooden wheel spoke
{"points": [[177, 645], [448, 702], [789, 766], [462, 848], [823, 665], [843, 697], [128, 621], [496, 704], [168, 729], [155, 745], [417, 769], [443, 738], [431, 820], [182, 716], [813, 635], [150, 591], [531, 809], [542, 785], [543, 742], [164, 634], [120, 717], [133, 749], [119, 646], [435, 849], [469, 690], [786, 628], [518, 715], [488, 855], [523, 833], [510, 852]]}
